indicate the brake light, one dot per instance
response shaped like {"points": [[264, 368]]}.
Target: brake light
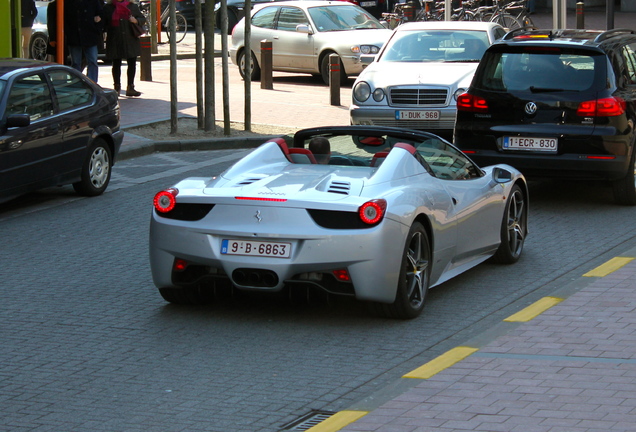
{"points": [[372, 212], [468, 102], [606, 107], [179, 265], [342, 275], [165, 200]]}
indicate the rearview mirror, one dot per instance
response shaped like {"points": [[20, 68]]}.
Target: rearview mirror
{"points": [[18, 120], [500, 175], [304, 28]]}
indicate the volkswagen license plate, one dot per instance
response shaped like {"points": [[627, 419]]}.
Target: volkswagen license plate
{"points": [[255, 248], [548, 145], [416, 115]]}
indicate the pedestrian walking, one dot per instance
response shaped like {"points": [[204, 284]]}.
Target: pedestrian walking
{"points": [[121, 42], [29, 12], [84, 33]]}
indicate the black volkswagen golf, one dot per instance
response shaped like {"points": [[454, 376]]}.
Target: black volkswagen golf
{"points": [[556, 104], [57, 127]]}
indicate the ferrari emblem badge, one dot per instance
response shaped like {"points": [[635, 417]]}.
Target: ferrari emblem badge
{"points": [[258, 216]]}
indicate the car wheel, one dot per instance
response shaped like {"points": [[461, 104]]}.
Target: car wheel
{"points": [[39, 43], [95, 171], [187, 296], [514, 228], [256, 70], [414, 277], [324, 69], [625, 188]]}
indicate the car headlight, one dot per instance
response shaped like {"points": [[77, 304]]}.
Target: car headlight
{"points": [[369, 49], [378, 94], [361, 91], [458, 92]]}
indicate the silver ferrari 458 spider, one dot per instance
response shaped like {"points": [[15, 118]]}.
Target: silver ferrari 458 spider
{"points": [[378, 213]]}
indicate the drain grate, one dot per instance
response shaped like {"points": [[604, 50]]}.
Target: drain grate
{"points": [[307, 421]]}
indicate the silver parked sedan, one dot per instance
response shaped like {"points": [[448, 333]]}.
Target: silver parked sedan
{"points": [[416, 78], [305, 33], [379, 214]]}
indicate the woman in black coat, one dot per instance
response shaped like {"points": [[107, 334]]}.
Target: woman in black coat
{"points": [[121, 43]]}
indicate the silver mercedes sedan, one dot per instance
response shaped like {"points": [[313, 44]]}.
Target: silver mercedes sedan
{"points": [[305, 33], [415, 79]]}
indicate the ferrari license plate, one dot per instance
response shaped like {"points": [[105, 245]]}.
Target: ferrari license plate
{"points": [[548, 145], [255, 248], [416, 115]]}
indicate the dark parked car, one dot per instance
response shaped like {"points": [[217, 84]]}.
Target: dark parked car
{"points": [[557, 104], [57, 128]]}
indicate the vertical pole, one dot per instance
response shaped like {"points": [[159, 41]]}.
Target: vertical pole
{"points": [[334, 79], [248, 65], [558, 14], [266, 65], [146, 58], [610, 14], [59, 48], [580, 15]]}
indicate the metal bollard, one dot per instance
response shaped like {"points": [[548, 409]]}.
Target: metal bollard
{"points": [[580, 15], [334, 79], [146, 58], [267, 81]]}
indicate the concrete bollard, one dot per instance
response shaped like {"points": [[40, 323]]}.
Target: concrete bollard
{"points": [[580, 15], [334, 79], [267, 81], [146, 58]]}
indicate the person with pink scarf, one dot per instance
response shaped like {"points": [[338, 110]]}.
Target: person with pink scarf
{"points": [[121, 43]]}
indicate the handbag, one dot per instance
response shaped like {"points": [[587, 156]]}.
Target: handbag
{"points": [[136, 29]]}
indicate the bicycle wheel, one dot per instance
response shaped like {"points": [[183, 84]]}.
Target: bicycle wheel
{"points": [[506, 21], [181, 28]]}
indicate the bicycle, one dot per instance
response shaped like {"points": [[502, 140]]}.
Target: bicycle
{"points": [[181, 24]]}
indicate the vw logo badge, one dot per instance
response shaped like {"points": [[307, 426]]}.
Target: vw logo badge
{"points": [[531, 108]]}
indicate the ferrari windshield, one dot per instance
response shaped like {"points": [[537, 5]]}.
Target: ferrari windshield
{"points": [[436, 45], [345, 17]]}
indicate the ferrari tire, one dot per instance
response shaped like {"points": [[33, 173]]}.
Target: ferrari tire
{"points": [[514, 228], [96, 170], [414, 277], [625, 188], [256, 70], [324, 69]]}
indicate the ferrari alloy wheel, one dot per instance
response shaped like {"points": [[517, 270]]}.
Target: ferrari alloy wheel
{"points": [[625, 188], [414, 277], [95, 171], [514, 228], [255, 68]]}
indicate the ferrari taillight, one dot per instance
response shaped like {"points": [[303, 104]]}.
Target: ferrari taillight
{"points": [[179, 265], [166, 200], [468, 102], [606, 107], [372, 212], [342, 275]]}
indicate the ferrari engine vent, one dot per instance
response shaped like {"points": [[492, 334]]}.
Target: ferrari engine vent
{"points": [[248, 181], [339, 187]]}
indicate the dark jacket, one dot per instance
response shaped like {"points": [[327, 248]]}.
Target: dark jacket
{"points": [[80, 28], [120, 42], [29, 12]]}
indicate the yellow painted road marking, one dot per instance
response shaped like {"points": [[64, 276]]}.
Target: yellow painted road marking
{"points": [[534, 309], [440, 363], [609, 267], [338, 421]]}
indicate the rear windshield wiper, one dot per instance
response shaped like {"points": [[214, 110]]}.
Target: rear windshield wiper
{"points": [[534, 89]]}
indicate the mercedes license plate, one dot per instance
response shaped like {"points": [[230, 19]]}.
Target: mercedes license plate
{"points": [[529, 143], [416, 115], [255, 248]]}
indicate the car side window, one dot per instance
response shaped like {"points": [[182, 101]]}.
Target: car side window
{"points": [[30, 95], [446, 162], [629, 52], [290, 17], [70, 90], [264, 18]]}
